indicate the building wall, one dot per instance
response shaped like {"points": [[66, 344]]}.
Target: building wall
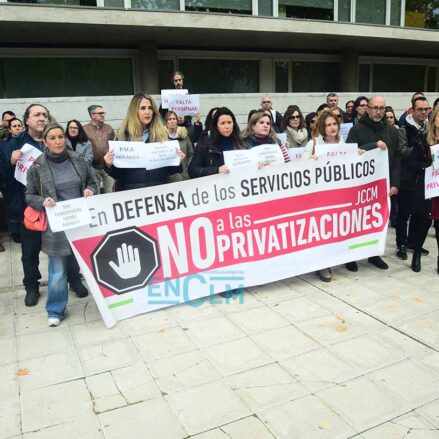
{"points": [[67, 108]]}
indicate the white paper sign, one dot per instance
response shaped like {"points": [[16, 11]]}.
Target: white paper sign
{"points": [[431, 183], [188, 105], [270, 153], [331, 150], [30, 153], [167, 95], [240, 158], [435, 156], [344, 130], [282, 138], [145, 155], [296, 153], [69, 214]]}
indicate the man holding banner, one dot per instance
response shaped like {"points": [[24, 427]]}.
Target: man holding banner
{"points": [[371, 132]]}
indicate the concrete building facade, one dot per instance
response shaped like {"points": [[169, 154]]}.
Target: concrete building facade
{"points": [[118, 47]]}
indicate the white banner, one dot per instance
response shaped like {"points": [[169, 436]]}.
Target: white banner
{"points": [[241, 158], [431, 183], [188, 105], [145, 155], [435, 156], [328, 151], [168, 95], [296, 153], [344, 130], [70, 214], [159, 246], [30, 153]]}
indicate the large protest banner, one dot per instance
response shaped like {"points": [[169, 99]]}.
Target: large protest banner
{"points": [[150, 248]]}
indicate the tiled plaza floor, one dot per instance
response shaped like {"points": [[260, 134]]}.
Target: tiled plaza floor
{"points": [[357, 357]]}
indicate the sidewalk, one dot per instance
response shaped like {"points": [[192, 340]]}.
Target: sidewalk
{"points": [[357, 357]]}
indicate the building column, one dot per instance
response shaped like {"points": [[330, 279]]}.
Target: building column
{"points": [[266, 75], [350, 69], [148, 68]]}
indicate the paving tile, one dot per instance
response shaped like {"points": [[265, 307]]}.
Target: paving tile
{"points": [[216, 433], [207, 406], [163, 343], [424, 328], [265, 387], [52, 368], [32, 322], [212, 331], [43, 342], [95, 332], [83, 311], [398, 341], [47, 406], [410, 381], [430, 412], [275, 291], [10, 416], [135, 383], [103, 357], [363, 403], [407, 426], [151, 419], [366, 353], [250, 427], [237, 356], [285, 342], [182, 371], [9, 379], [258, 320], [7, 325], [429, 359], [357, 294], [320, 369], [248, 301], [105, 395], [6, 303], [148, 322], [299, 309], [306, 417], [194, 311], [8, 350], [83, 428]]}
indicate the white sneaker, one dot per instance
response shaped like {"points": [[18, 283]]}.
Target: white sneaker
{"points": [[53, 321]]}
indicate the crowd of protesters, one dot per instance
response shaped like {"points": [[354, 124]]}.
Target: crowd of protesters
{"points": [[76, 161]]}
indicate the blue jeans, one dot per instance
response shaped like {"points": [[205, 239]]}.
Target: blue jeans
{"points": [[57, 288]]}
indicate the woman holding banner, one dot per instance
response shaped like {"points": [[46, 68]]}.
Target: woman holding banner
{"points": [[224, 136], [142, 123], [433, 139], [57, 175], [176, 132]]}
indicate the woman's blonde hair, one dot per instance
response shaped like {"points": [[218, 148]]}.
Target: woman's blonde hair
{"points": [[131, 128], [254, 119], [432, 134]]}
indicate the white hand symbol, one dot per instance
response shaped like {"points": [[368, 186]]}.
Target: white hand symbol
{"points": [[128, 260]]}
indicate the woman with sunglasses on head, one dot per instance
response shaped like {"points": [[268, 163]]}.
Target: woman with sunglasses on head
{"points": [[77, 141], [142, 123], [294, 126]]}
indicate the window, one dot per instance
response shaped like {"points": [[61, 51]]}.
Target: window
{"points": [[315, 76], [344, 10], [166, 69], [265, 8], [220, 75], [58, 2], [422, 13], [156, 4], [227, 6], [364, 78], [49, 77], [397, 77], [395, 13], [311, 9], [281, 78], [371, 11]]}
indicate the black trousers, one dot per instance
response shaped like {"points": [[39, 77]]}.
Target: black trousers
{"points": [[412, 205], [30, 259]]}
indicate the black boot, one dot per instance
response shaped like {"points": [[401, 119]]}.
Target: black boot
{"points": [[416, 262]]}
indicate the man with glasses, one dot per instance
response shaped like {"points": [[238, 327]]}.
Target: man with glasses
{"points": [[372, 131], [411, 201], [267, 104], [99, 133]]}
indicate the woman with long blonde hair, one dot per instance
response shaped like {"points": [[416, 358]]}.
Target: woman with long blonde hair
{"points": [[142, 123]]}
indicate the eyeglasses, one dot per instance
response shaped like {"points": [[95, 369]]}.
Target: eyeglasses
{"points": [[376, 108], [102, 113], [363, 105], [266, 102], [294, 117], [423, 110], [73, 128]]}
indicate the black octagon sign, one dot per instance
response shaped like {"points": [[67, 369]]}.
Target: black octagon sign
{"points": [[125, 260]]}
